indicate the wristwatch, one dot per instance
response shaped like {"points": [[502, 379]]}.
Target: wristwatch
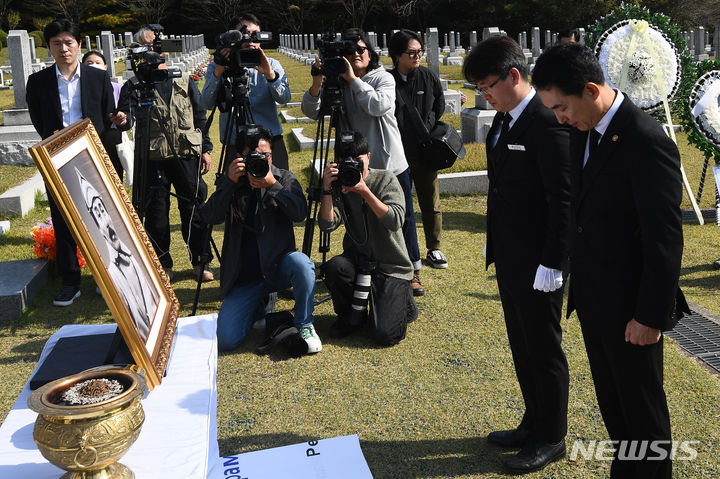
{"points": [[327, 192]]}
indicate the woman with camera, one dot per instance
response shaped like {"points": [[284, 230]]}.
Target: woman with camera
{"points": [[368, 98]]}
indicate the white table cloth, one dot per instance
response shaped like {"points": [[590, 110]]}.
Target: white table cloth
{"points": [[179, 437]]}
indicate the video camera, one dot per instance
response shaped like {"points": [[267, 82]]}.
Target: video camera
{"points": [[242, 57], [145, 62], [332, 52], [162, 44]]}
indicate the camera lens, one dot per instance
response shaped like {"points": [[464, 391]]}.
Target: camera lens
{"points": [[257, 165]]}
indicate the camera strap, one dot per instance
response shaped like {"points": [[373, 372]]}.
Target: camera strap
{"points": [[339, 201], [420, 128]]}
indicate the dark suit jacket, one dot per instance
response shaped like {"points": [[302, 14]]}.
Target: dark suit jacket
{"points": [[628, 227], [43, 99], [529, 194]]}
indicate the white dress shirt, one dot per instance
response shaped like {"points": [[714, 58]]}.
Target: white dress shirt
{"points": [[70, 102]]}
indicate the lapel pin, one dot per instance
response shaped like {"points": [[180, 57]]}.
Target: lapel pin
{"points": [[614, 138]]}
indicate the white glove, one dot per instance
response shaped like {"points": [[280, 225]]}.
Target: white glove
{"points": [[547, 279]]}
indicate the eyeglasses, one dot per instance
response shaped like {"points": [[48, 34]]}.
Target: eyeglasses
{"points": [[415, 53], [486, 90], [360, 50]]}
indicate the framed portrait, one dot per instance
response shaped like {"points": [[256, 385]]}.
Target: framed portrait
{"points": [[98, 211]]}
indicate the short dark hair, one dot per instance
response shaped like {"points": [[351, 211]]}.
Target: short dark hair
{"points": [[96, 53], [399, 43], [569, 33], [357, 34], [245, 17], [59, 26], [358, 146], [567, 66], [494, 56], [262, 134]]}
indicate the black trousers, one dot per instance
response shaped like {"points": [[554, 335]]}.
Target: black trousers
{"points": [[629, 387], [65, 246], [391, 302], [183, 175], [532, 319], [111, 138]]}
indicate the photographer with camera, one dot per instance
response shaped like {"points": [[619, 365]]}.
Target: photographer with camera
{"points": [[259, 203], [179, 153], [266, 82], [368, 98], [374, 265]]}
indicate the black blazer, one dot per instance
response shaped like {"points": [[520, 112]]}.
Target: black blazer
{"points": [[529, 194], [43, 99], [628, 238]]}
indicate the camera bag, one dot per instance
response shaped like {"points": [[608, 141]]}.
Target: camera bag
{"points": [[441, 146]]}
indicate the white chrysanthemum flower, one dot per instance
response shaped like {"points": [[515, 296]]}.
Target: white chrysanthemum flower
{"points": [[707, 91], [651, 69]]}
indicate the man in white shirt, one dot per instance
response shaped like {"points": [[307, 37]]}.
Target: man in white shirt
{"points": [[57, 97], [528, 226]]}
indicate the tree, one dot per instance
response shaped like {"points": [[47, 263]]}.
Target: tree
{"points": [[359, 10], [150, 11], [42, 22], [13, 19]]}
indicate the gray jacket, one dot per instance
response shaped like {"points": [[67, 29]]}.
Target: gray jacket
{"points": [[370, 107]]}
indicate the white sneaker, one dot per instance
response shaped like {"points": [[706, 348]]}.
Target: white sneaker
{"points": [[437, 259], [311, 338]]}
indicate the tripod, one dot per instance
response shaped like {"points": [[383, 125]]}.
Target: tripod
{"points": [[239, 115], [145, 92], [332, 104]]}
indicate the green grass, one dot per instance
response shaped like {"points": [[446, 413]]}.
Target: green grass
{"points": [[423, 407], [11, 175]]}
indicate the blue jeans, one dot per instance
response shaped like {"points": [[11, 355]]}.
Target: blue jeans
{"points": [[409, 228], [244, 304]]}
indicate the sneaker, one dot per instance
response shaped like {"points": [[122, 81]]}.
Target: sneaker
{"points": [[436, 259], [417, 286], [205, 275], [67, 295], [311, 338]]}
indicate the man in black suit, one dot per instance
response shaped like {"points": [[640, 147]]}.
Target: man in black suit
{"points": [[527, 239], [626, 254], [57, 97]]}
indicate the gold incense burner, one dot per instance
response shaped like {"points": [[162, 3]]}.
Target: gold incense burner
{"points": [[88, 440]]}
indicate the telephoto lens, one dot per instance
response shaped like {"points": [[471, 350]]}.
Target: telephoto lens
{"points": [[361, 292]]}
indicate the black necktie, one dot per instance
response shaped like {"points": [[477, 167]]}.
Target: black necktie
{"points": [[594, 140], [507, 118]]}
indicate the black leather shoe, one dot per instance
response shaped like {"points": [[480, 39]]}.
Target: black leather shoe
{"points": [[536, 456], [512, 438], [716, 264]]}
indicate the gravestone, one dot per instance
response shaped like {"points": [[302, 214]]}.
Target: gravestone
{"points": [[106, 38], [128, 38], [535, 42], [446, 46], [88, 45], [312, 44], [490, 32], [433, 55], [452, 41], [548, 39], [20, 64], [31, 46], [384, 43], [554, 38], [98, 43], [473, 39], [716, 39], [700, 54], [581, 34]]}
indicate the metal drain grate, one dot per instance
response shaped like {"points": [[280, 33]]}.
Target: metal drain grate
{"points": [[700, 337]]}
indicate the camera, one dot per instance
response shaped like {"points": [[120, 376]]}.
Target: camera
{"points": [[162, 44], [243, 57], [256, 164], [332, 52], [350, 172], [145, 64]]}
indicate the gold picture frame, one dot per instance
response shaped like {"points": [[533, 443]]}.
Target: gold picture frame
{"points": [[103, 221]]}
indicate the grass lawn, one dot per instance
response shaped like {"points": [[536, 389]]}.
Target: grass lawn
{"points": [[423, 407], [11, 175]]}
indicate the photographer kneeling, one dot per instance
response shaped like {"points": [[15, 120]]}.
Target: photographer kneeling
{"points": [[374, 259], [259, 203]]}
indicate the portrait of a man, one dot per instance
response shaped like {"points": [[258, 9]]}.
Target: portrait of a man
{"points": [[130, 280]]}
